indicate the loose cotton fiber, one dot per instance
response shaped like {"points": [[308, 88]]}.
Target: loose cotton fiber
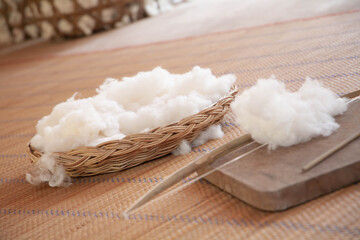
{"points": [[277, 117], [133, 105], [213, 132]]}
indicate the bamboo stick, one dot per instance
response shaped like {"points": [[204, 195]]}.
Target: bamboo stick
{"points": [[188, 169], [323, 156]]}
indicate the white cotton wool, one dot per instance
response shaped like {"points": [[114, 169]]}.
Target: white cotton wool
{"points": [[133, 105], [212, 132], [48, 171], [182, 149], [277, 117]]}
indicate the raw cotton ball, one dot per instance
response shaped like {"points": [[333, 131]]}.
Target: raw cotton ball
{"points": [[86, 24], [275, 116], [77, 123], [133, 105], [182, 149], [213, 132], [48, 171]]}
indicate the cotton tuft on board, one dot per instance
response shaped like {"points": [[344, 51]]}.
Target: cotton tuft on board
{"points": [[277, 117], [133, 105]]}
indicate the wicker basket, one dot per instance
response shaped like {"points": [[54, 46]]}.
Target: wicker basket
{"points": [[11, 21], [135, 149], [51, 19], [75, 18]]}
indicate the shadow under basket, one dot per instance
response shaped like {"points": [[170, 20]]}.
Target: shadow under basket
{"points": [[132, 150]]}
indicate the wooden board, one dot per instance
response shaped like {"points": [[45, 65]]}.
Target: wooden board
{"points": [[273, 181]]}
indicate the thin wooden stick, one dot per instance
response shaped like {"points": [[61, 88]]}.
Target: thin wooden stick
{"points": [[323, 156], [126, 213], [354, 99], [188, 169]]}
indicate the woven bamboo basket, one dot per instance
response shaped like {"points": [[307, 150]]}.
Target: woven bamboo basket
{"points": [[11, 21], [54, 19], [75, 18], [117, 155]]}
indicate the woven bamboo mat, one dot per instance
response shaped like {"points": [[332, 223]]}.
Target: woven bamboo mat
{"points": [[326, 48]]}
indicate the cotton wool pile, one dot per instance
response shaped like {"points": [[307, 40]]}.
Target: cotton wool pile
{"points": [[133, 105], [277, 117]]}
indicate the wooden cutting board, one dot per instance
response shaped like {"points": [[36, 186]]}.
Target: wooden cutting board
{"points": [[273, 181]]}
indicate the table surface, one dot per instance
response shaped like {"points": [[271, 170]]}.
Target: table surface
{"points": [[292, 41]]}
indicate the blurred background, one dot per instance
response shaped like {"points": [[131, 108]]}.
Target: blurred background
{"points": [[23, 20]]}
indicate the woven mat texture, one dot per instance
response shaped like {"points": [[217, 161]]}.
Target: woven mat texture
{"points": [[324, 48]]}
